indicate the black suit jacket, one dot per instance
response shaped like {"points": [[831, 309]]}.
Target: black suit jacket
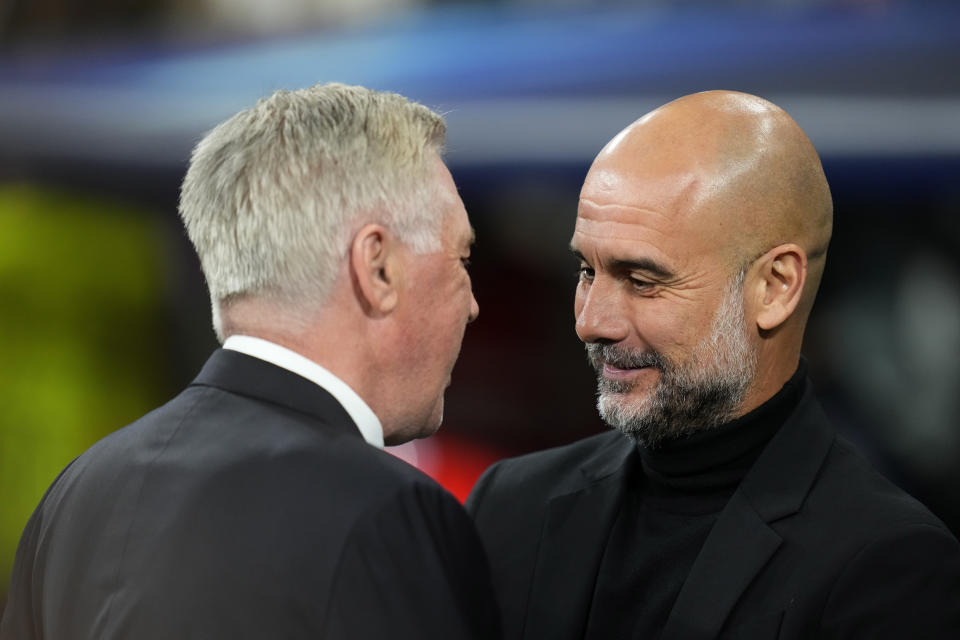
{"points": [[247, 507], [813, 544]]}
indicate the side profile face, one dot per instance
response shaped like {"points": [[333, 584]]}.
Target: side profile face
{"points": [[436, 312]]}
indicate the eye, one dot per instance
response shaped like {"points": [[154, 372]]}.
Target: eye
{"points": [[465, 262], [639, 284], [585, 272]]}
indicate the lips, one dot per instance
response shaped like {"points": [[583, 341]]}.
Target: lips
{"points": [[614, 372]]}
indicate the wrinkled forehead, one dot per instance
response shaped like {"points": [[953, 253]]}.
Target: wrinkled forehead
{"points": [[671, 192], [675, 193], [663, 213]]}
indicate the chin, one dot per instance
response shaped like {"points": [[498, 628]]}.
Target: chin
{"points": [[417, 428], [436, 419]]}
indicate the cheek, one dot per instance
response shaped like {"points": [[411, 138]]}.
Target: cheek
{"points": [[579, 296], [466, 288], [664, 326]]}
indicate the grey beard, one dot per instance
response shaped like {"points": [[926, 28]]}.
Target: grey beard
{"points": [[700, 394]]}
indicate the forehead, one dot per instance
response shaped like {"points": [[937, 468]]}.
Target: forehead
{"points": [[620, 230], [650, 214], [451, 207]]}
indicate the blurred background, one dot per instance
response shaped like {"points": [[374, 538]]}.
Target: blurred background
{"points": [[104, 311]]}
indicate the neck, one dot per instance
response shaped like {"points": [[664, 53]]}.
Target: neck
{"points": [[719, 457], [331, 338], [776, 365]]}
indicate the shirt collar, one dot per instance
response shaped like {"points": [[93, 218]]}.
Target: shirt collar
{"points": [[366, 420]]}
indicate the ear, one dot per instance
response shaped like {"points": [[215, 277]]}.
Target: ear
{"points": [[782, 275], [375, 268]]}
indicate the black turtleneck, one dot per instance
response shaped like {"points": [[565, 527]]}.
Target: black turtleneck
{"points": [[671, 500]]}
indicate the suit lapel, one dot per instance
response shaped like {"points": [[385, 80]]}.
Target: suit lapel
{"points": [[738, 546], [742, 542], [572, 541]]}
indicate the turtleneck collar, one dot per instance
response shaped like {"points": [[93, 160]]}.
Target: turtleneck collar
{"points": [[716, 460]]}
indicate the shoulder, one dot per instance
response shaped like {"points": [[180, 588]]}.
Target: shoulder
{"points": [[565, 460], [412, 555], [543, 474], [863, 497], [829, 496], [813, 482], [209, 447], [900, 576], [869, 552]]}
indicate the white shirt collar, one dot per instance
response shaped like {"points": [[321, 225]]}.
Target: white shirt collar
{"points": [[361, 413]]}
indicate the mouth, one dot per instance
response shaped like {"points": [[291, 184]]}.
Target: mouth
{"points": [[624, 368], [613, 372]]}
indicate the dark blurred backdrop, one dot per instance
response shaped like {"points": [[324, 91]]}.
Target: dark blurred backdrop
{"points": [[104, 310]]}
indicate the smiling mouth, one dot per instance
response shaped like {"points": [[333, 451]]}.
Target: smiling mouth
{"points": [[614, 372]]}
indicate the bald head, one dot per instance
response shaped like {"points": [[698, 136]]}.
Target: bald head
{"points": [[702, 232], [730, 164]]}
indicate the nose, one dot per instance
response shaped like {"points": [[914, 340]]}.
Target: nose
{"points": [[601, 314], [474, 308]]}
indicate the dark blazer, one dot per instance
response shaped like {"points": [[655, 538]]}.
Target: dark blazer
{"points": [[247, 507], [813, 544]]}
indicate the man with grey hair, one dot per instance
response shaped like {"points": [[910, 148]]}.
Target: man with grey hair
{"points": [[258, 503], [731, 509]]}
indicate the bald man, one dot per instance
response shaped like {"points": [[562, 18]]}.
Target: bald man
{"points": [[731, 509]]}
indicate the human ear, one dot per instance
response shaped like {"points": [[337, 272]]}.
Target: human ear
{"points": [[782, 275], [375, 267]]}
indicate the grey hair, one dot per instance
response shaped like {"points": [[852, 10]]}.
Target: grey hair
{"points": [[701, 394], [274, 194]]}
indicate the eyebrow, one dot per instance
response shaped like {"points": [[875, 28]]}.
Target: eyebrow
{"points": [[638, 264]]}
